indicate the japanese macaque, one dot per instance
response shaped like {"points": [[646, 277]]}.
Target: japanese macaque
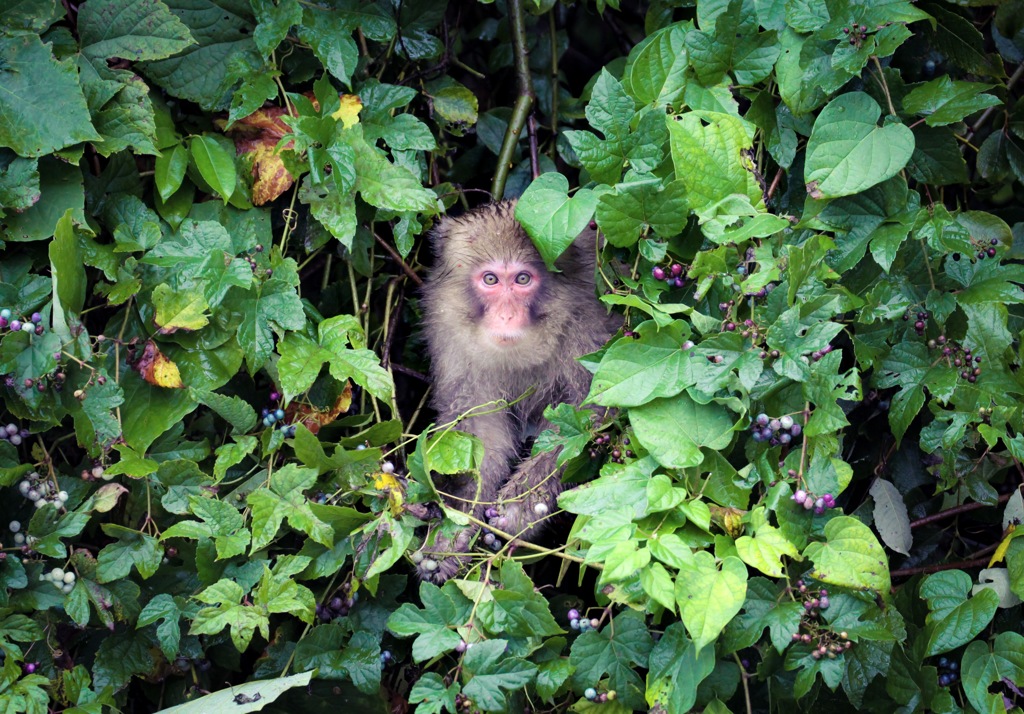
{"points": [[499, 326]]}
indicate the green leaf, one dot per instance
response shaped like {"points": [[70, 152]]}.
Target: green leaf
{"points": [[709, 598], [432, 696], [766, 549], [42, 108], [384, 184], [955, 619], [68, 275], [132, 548], [169, 170], [300, 363], [552, 219], [677, 667], [985, 670], [123, 28], [707, 152], [433, 626], [635, 372], [205, 72], [227, 611], [489, 670], [62, 191], [453, 102], [675, 429], [943, 101], [848, 152], [616, 652], [244, 697], [850, 557], [275, 305], [632, 209], [120, 656], [235, 410], [329, 35], [284, 499], [179, 309], [215, 164], [656, 68]]}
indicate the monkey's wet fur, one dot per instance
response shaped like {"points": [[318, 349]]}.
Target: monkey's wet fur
{"points": [[499, 326]]}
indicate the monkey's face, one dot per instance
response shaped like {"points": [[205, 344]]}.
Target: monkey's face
{"points": [[506, 296]]}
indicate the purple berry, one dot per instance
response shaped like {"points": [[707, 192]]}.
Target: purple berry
{"points": [[796, 430], [800, 496], [15, 325], [3, 322], [36, 318], [991, 252], [679, 282], [658, 272], [677, 270], [573, 614], [762, 420], [275, 396]]}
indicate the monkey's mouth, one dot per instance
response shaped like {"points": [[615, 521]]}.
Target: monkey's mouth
{"points": [[505, 339]]}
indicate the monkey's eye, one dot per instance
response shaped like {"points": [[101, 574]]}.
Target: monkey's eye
{"points": [[490, 279], [523, 279]]}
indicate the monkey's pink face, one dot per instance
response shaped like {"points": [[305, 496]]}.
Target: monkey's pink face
{"points": [[506, 295]]}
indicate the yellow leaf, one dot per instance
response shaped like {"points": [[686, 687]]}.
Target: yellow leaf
{"points": [[1000, 553], [156, 369], [390, 485], [348, 112]]}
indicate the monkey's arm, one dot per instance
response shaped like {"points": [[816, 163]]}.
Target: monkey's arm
{"points": [[529, 496], [470, 495]]}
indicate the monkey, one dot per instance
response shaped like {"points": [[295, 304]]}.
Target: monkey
{"points": [[500, 326]]}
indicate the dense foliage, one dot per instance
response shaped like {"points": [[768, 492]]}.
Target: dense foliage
{"points": [[804, 492]]}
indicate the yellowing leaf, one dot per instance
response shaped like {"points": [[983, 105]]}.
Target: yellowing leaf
{"points": [[156, 369], [348, 112], [179, 310], [256, 138], [390, 485], [1000, 553]]}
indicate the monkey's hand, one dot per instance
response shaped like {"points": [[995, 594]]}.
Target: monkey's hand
{"points": [[438, 562], [528, 498]]}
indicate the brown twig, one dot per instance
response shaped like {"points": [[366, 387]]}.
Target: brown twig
{"points": [[928, 569], [398, 259], [956, 511]]}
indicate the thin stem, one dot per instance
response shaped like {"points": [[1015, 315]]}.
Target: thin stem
{"points": [[524, 102]]}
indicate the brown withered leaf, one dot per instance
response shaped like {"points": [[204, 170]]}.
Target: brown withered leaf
{"points": [[256, 138], [313, 418], [156, 369]]}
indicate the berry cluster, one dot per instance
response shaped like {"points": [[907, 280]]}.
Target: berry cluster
{"points": [[12, 434], [856, 33], [949, 672], [959, 357], [96, 472], [20, 539], [592, 695], [41, 492], [920, 323], [820, 504], [602, 444], [33, 324], [989, 252], [775, 431], [581, 624], [63, 580], [275, 415], [338, 606], [826, 643], [673, 275], [251, 259]]}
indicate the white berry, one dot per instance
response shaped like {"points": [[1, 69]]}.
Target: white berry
{"points": [[57, 574], [19, 538], [67, 587], [541, 509], [41, 502], [15, 526], [63, 495], [69, 577], [32, 495], [24, 486], [387, 467]]}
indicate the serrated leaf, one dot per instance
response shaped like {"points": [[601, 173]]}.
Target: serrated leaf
{"points": [[179, 309]]}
